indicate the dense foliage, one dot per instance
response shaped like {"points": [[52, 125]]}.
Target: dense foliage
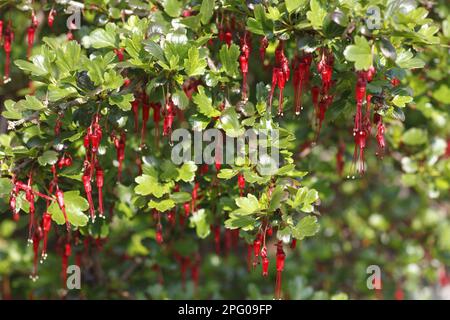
{"points": [[360, 105]]}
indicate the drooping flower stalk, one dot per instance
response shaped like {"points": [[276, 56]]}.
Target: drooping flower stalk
{"points": [[100, 181], [241, 184], [243, 61], [281, 256], [119, 144], [8, 39], [256, 249], [264, 43], [265, 262], [29, 195], [169, 114], [37, 236], [51, 17], [60, 199], [135, 110], [86, 178], [46, 226], [301, 79]]}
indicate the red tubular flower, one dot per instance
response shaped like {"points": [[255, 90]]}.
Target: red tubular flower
{"points": [[37, 236], [301, 74], [241, 184], [100, 181], [228, 38], [263, 47], [119, 53], [46, 226], [281, 256], [29, 195], [135, 109], [159, 236], [256, 249], [1, 29], [60, 200], [273, 86], [119, 144], [7, 47], [30, 36], [380, 134], [187, 209], [51, 17], [395, 82], [168, 117], [171, 217], [195, 196], [265, 262], [281, 80], [88, 189], [293, 243]]}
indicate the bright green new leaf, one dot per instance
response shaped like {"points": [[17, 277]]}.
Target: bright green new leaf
{"points": [[229, 59], [161, 206], [149, 185], [204, 103], [194, 65], [317, 14], [206, 11], [48, 157], [307, 227], [359, 53], [123, 101], [75, 206]]}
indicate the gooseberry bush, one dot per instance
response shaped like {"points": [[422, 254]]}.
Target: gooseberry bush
{"points": [[90, 112]]}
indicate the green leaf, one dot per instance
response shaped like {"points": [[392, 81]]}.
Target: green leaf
{"points": [[275, 200], [246, 223], [199, 221], [317, 14], [230, 123], [104, 38], [406, 60], [181, 197], [206, 11], [36, 69], [360, 53], [442, 94], [31, 103], [307, 227], [58, 92], [75, 205], [292, 5], [414, 137], [401, 101], [161, 206], [48, 157], [155, 50], [187, 172], [226, 174], [149, 185], [172, 7], [229, 59], [5, 187], [123, 101], [204, 103], [247, 205], [194, 65]]}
